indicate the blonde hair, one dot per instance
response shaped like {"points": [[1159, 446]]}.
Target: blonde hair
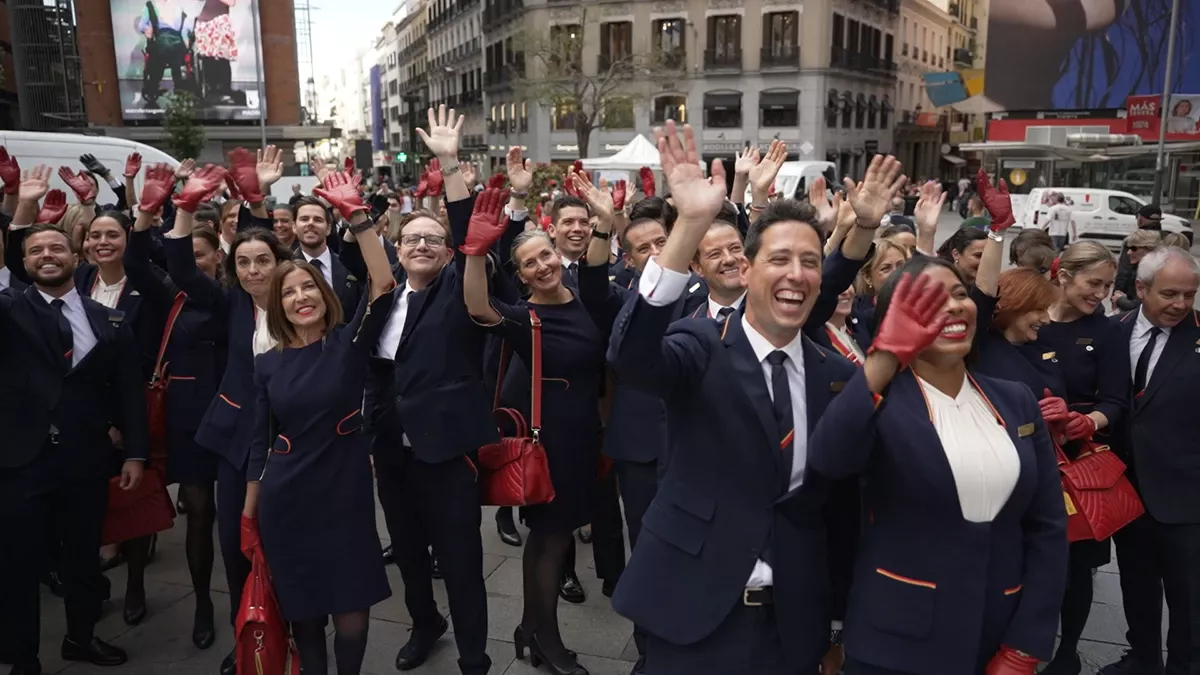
{"points": [[862, 283], [1082, 256], [1177, 240], [1144, 239]]}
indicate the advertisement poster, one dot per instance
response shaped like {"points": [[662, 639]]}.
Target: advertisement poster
{"points": [[1144, 117], [207, 48]]}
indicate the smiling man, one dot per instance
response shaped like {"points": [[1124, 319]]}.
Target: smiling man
{"points": [[571, 230]]}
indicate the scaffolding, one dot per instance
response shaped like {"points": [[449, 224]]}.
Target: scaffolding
{"points": [[46, 61], [304, 55]]}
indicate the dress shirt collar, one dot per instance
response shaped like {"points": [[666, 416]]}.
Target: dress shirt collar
{"points": [[714, 307], [763, 348], [5, 277], [567, 262], [325, 258], [71, 299], [1142, 326]]}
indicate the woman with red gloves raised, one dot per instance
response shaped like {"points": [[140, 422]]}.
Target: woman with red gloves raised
{"points": [[310, 484], [963, 557]]}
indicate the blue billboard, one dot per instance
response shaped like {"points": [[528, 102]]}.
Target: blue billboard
{"points": [[377, 142]]}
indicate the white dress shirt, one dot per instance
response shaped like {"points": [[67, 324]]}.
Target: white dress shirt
{"points": [[5, 277], [83, 337], [107, 294], [263, 342], [389, 340], [980, 452], [326, 264], [714, 307], [661, 287], [1138, 340]]}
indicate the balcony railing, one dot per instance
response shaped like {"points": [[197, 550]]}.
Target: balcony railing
{"points": [[842, 58], [723, 59], [781, 56], [615, 62]]}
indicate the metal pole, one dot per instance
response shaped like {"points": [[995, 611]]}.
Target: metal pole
{"points": [[1165, 110], [260, 75]]}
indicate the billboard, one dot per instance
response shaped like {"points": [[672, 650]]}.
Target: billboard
{"points": [[1144, 117], [207, 48], [1067, 57]]}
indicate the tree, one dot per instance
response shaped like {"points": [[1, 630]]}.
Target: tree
{"points": [[554, 74], [185, 138]]}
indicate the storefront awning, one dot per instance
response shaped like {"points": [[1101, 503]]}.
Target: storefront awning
{"points": [[778, 99], [954, 159], [722, 101]]}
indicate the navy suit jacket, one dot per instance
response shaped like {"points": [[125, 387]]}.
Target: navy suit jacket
{"points": [[38, 390], [1157, 439], [721, 499], [143, 317], [932, 592]]}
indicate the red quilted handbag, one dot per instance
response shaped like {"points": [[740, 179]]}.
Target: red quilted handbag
{"points": [[132, 514], [263, 644], [156, 389], [1099, 497], [515, 471]]}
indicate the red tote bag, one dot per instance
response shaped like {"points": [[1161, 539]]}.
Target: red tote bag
{"points": [[1099, 497]]}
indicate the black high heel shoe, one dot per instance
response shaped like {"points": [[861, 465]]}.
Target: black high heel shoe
{"points": [[519, 644], [537, 657], [203, 631]]}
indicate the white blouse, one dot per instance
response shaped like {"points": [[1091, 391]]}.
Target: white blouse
{"points": [[263, 342], [980, 452], [107, 295]]}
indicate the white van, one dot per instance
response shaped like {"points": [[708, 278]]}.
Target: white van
{"points": [[34, 147], [795, 176], [1106, 216]]}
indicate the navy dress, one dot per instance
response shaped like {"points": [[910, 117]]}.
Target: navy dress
{"points": [[1029, 364], [316, 509], [1087, 349], [573, 347]]}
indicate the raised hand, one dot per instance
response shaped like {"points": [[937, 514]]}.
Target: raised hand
{"points": [[268, 166], [469, 174], [569, 183], [762, 175], [92, 164], [520, 176], [35, 183], [80, 184], [914, 318], [929, 206], [997, 202], [133, 165], [601, 202], [497, 180], [486, 226], [341, 190], [156, 189], [444, 130], [696, 197], [348, 165], [826, 211], [319, 168], [744, 161], [54, 208], [243, 176], [872, 197], [185, 169], [422, 186], [434, 179], [10, 172], [204, 182], [618, 195], [647, 176]]}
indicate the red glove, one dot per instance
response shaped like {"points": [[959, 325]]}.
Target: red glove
{"points": [[250, 537], [569, 183], [618, 195], [434, 178], [647, 181], [341, 190], [497, 180], [243, 169], [349, 165], [1054, 409], [54, 207], [486, 226], [578, 166], [204, 182], [1009, 661], [914, 319], [997, 202], [10, 172], [422, 187], [133, 164], [1080, 427], [160, 182], [80, 184]]}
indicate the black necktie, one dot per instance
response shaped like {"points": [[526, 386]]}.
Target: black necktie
{"points": [[724, 313], [64, 330], [1143, 362], [573, 275], [782, 406]]}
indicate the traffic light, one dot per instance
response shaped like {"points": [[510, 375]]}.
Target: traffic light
{"points": [[401, 157]]}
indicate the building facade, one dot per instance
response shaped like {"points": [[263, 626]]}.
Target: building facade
{"points": [[921, 127], [818, 74], [10, 113], [454, 53]]}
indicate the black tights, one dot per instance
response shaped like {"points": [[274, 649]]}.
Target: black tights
{"points": [[200, 503], [542, 568], [349, 643], [1077, 604]]}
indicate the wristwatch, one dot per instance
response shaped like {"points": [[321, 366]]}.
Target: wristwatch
{"points": [[601, 235], [449, 170], [835, 637], [995, 236]]}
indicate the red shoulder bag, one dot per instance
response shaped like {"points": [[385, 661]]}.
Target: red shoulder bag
{"points": [[1099, 497], [156, 388], [515, 471], [264, 646]]}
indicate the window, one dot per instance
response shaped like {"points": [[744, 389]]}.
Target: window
{"points": [[669, 42], [885, 112], [724, 41], [564, 116], [831, 109], [779, 109], [723, 111], [616, 43], [618, 114], [671, 107], [847, 104], [524, 118], [781, 32], [860, 111], [567, 45], [1123, 206]]}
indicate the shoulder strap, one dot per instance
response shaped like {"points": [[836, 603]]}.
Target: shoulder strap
{"points": [[535, 370], [505, 355], [176, 308]]}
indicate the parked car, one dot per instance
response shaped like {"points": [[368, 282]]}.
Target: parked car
{"points": [[1106, 216]]}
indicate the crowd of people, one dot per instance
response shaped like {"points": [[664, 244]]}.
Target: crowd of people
{"points": [[837, 444]]}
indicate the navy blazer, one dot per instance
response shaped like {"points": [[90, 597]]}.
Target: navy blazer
{"points": [[39, 391], [1158, 436], [144, 318], [721, 499], [934, 593], [346, 285]]}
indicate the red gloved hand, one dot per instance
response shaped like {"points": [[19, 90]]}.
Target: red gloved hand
{"points": [[250, 538], [422, 187], [133, 164], [243, 169], [204, 182], [434, 178], [486, 226], [497, 180], [569, 183], [160, 182], [1080, 427], [341, 190], [54, 207], [1009, 661], [997, 202], [349, 165], [914, 319], [578, 166], [1054, 409], [618, 195], [10, 172], [647, 177], [80, 184]]}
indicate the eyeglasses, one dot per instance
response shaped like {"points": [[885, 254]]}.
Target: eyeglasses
{"points": [[433, 240], [1135, 249]]}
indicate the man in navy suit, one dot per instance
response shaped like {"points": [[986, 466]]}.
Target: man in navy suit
{"points": [[1161, 550], [69, 372], [732, 554], [312, 227]]}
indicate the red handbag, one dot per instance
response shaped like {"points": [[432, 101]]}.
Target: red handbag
{"points": [[156, 389], [132, 514], [264, 646], [515, 471], [1099, 497]]}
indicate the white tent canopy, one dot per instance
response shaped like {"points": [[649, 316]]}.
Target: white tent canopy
{"points": [[637, 153]]}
